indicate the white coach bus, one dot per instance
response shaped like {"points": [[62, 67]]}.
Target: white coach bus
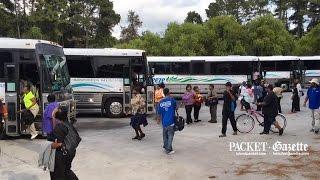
{"points": [[310, 66], [103, 79], [178, 71], [39, 62]]}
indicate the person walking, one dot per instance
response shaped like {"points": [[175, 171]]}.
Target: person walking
{"points": [[167, 107], [229, 106], [270, 111], [188, 100], [278, 92], [63, 155], [313, 96], [212, 102], [198, 100], [31, 110], [295, 99], [258, 93], [48, 122], [138, 111]]}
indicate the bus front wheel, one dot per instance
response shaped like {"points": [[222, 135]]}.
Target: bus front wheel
{"points": [[114, 108]]}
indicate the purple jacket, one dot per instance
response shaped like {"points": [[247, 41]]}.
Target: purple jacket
{"points": [[47, 124], [188, 98]]}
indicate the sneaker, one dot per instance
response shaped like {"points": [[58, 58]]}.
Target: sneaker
{"points": [[196, 121], [210, 121], [171, 152], [263, 133], [136, 137], [316, 131], [142, 135], [34, 136], [281, 132], [222, 135], [234, 133], [312, 130]]}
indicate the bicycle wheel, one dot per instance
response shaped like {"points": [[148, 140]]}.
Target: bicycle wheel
{"points": [[282, 121], [245, 123]]}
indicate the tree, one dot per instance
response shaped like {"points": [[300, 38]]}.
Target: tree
{"points": [[34, 33], [184, 40], [268, 36], [297, 18], [7, 28], [193, 17], [281, 10], [131, 32], [308, 45], [224, 36], [150, 42], [313, 13]]}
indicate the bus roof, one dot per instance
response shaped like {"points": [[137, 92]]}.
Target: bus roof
{"points": [[12, 43], [278, 58], [310, 58], [101, 52], [200, 58]]}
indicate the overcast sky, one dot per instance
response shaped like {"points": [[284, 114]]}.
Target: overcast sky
{"points": [[156, 14]]}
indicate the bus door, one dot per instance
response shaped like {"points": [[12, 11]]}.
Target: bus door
{"points": [[11, 100], [126, 89]]}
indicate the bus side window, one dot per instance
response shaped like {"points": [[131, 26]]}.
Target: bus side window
{"points": [[10, 72], [5, 57]]}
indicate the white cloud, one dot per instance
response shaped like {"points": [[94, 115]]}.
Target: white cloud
{"points": [[156, 14]]}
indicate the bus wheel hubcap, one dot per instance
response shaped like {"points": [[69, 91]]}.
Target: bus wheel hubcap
{"points": [[115, 108]]}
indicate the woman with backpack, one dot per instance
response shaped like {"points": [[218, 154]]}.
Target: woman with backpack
{"points": [[188, 101], [198, 100], [66, 141]]}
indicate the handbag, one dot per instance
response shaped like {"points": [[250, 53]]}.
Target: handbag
{"points": [[211, 102]]}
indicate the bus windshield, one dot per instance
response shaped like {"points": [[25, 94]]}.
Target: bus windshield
{"points": [[57, 68]]}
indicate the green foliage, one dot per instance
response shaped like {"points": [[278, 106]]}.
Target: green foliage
{"points": [[33, 33], [225, 36], [131, 32], [268, 36], [193, 17], [309, 44]]}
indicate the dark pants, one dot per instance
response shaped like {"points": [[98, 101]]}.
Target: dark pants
{"points": [[213, 112], [62, 167], [258, 106], [196, 112], [279, 104], [168, 133], [188, 112], [225, 117], [295, 104], [268, 121]]}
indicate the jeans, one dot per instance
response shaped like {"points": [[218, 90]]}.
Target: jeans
{"points": [[188, 112], [62, 167], [168, 133], [268, 121], [225, 117]]}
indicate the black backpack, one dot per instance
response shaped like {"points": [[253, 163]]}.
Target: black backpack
{"points": [[179, 122], [72, 139]]}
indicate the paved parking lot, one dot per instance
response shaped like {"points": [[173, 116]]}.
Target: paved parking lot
{"points": [[107, 152]]}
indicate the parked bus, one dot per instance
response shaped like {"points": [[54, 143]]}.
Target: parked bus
{"points": [[41, 63], [103, 79], [310, 66], [178, 71], [281, 69]]}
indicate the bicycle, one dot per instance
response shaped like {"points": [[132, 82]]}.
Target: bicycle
{"points": [[246, 121]]}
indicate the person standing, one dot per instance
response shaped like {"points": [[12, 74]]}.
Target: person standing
{"points": [[229, 106], [270, 111], [138, 111], [278, 92], [188, 99], [167, 107], [295, 99], [158, 95], [48, 121], [197, 103], [247, 97], [258, 93], [31, 110], [313, 96], [242, 88], [212, 102]]}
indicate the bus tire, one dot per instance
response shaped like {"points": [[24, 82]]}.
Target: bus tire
{"points": [[114, 108], [2, 131]]}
